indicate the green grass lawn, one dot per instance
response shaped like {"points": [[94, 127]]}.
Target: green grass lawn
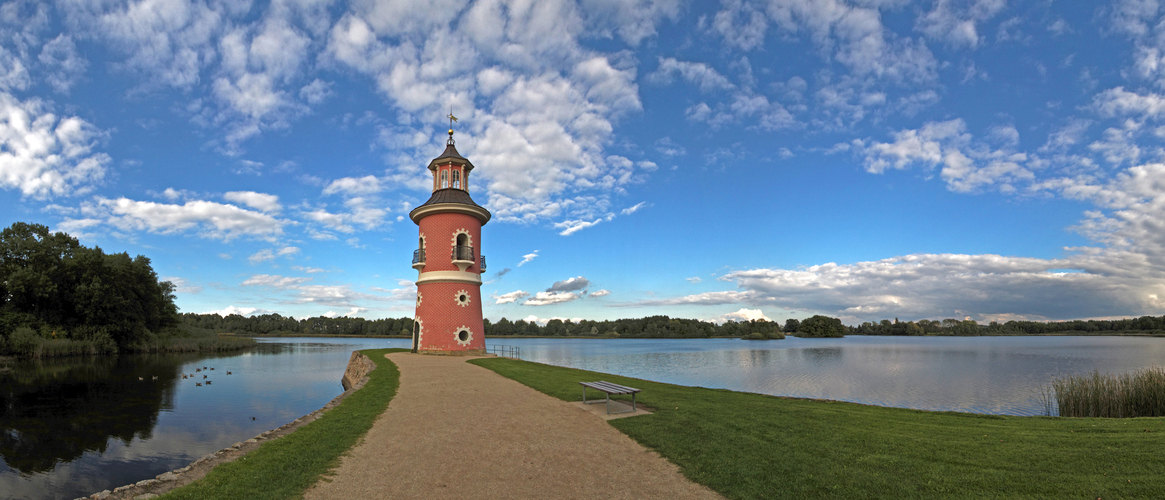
{"points": [[754, 446], [286, 467]]}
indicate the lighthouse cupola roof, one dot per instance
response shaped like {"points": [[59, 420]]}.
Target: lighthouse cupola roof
{"points": [[450, 155], [450, 185]]}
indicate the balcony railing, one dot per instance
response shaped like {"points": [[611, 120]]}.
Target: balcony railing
{"points": [[482, 264], [419, 258], [463, 253]]}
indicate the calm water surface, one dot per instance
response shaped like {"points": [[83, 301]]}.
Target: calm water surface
{"points": [[77, 426], [996, 375]]}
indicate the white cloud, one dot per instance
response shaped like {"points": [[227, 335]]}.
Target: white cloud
{"points": [[549, 298], [704, 299], [600, 293], [570, 227], [64, 65], [537, 106], [851, 35], [965, 166], [1114, 282], [704, 77], [316, 91], [245, 67], [632, 209], [44, 155], [210, 219], [182, 285], [528, 257], [241, 311], [1118, 102], [741, 316], [956, 22], [261, 256], [260, 201], [270, 254], [694, 279], [341, 295], [514, 296], [353, 186], [273, 281], [569, 285]]}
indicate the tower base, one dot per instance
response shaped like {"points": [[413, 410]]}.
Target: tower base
{"points": [[465, 352]]}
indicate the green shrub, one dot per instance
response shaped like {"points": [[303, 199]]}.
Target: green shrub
{"points": [[26, 342]]}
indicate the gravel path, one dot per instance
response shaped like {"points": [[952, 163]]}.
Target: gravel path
{"points": [[456, 430]]}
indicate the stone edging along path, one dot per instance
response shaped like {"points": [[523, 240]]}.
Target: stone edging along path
{"points": [[355, 376]]}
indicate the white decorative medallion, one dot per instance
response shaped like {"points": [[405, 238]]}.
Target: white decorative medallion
{"points": [[462, 298], [463, 335]]}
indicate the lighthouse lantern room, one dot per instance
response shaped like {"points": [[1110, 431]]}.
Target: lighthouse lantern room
{"points": [[449, 261]]}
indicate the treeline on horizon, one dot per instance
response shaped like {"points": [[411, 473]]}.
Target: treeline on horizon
{"points": [[667, 327], [58, 297], [1143, 324], [650, 327]]}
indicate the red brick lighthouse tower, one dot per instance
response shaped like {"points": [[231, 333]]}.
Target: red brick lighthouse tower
{"points": [[448, 257]]}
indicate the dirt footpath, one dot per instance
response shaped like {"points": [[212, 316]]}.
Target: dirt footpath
{"points": [[456, 430]]}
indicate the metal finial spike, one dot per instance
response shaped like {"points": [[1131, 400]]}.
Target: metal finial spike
{"points": [[451, 120]]}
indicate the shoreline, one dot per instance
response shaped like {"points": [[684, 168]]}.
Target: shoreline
{"points": [[601, 337], [356, 375]]}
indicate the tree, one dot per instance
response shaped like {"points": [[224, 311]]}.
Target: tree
{"points": [[791, 325], [49, 281], [821, 326]]}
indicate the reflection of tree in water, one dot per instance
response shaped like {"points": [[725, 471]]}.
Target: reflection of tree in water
{"points": [[55, 410], [822, 355]]}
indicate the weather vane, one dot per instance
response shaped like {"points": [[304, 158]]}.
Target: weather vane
{"points": [[451, 120]]}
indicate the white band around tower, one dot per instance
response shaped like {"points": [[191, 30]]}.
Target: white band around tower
{"points": [[449, 277]]}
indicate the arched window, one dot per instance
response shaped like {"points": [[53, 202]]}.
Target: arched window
{"points": [[462, 240], [444, 179], [456, 179]]}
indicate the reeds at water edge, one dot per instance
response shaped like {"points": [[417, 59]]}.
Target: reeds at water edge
{"points": [[1126, 395]]}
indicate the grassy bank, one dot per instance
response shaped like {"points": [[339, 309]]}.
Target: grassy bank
{"points": [[286, 467], [753, 446]]}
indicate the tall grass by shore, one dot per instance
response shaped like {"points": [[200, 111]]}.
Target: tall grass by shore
{"points": [[1126, 395], [28, 343]]}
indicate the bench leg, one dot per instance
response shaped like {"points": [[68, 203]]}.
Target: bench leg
{"points": [[608, 403]]}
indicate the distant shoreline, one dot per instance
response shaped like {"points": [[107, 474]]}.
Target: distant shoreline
{"points": [[1058, 334]]}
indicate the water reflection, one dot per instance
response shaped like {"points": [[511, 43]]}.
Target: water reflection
{"points": [[56, 410], [74, 426]]}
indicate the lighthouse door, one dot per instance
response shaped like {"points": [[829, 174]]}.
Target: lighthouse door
{"points": [[416, 326]]}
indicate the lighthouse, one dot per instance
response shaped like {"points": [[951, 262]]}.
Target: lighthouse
{"points": [[449, 261]]}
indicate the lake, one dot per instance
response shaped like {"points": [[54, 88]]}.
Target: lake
{"points": [[71, 427]]}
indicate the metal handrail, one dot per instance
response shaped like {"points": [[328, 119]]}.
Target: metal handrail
{"points": [[419, 256], [505, 351], [482, 264], [463, 252]]}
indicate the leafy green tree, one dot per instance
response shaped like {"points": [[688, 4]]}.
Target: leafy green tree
{"points": [[50, 282], [821, 326]]}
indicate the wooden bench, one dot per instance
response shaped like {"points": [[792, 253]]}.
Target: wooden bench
{"points": [[610, 389]]}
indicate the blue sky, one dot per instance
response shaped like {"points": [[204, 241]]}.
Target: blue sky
{"points": [[868, 159]]}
